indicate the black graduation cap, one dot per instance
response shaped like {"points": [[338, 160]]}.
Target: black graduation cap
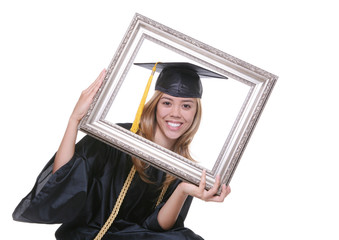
{"points": [[180, 79]]}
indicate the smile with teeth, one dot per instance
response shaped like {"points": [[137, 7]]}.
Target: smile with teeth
{"points": [[172, 124]]}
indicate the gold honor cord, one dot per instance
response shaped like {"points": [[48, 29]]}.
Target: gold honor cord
{"points": [[164, 189], [122, 194], [117, 205]]}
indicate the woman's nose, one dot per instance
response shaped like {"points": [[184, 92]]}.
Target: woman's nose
{"points": [[175, 111]]}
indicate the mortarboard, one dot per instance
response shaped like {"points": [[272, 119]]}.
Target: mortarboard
{"points": [[180, 79]]}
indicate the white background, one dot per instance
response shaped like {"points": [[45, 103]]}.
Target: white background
{"points": [[285, 186]]}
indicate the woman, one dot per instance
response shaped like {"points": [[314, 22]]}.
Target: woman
{"points": [[81, 184]]}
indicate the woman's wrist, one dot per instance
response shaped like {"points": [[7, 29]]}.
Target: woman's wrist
{"points": [[73, 120], [182, 189]]}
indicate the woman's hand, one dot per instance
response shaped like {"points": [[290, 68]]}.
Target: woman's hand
{"points": [[169, 213], [67, 145], [201, 193], [86, 98]]}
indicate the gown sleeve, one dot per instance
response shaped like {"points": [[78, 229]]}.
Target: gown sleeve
{"points": [[59, 197]]}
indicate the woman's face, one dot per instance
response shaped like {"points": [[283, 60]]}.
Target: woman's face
{"points": [[174, 117]]}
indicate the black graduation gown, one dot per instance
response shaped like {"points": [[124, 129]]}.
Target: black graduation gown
{"points": [[82, 193]]}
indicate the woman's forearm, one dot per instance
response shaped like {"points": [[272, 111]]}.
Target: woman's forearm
{"points": [[169, 213], [67, 145]]}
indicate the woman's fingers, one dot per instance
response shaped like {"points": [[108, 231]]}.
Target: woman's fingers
{"points": [[219, 198], [224, 193], [86, 97], [202, 183], [97, 83], [211, 194], [216, 185], [207, 195], [199, 193]]}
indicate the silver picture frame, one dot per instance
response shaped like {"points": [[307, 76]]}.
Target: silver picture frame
{"points": [[231, 108]]}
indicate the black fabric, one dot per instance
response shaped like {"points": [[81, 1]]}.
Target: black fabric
{"points": [[180, 79], [179, 83], [82, 193]]}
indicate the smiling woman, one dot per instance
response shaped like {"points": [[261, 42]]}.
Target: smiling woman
{"points": [[83, 182], [121, 171]]}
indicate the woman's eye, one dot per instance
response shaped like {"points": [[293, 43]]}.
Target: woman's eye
{"points": [[166, 103], [187, 106]]}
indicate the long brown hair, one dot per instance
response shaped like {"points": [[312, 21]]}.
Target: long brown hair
{"points": [[146, 129]]}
